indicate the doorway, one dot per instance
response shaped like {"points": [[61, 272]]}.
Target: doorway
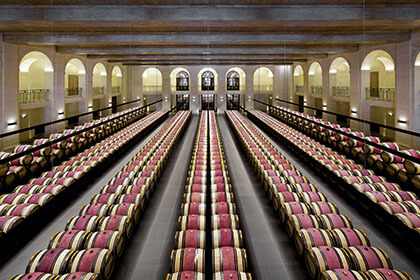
{"points": [[183, 101], [318, 106], [207, 102], [233, 101], [300, 101]]}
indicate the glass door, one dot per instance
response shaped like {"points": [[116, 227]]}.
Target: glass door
{"points": [[183, 101], [207, 102], [233, 101]]}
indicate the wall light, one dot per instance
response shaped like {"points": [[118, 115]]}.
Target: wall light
{"points": [[23, 116], [138, 97], [390, 114], [90, 106], [402, 121], [10, 123], [354, 111], [324, 106], [60, 113], [144, 98]]}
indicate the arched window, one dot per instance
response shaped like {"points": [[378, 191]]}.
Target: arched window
{"points": [[207, 81], [233, 80], [182, 81]]}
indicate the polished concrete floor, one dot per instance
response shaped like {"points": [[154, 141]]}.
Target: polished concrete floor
{"points": [[271, 253]]}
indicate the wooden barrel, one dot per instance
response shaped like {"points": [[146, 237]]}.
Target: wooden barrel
{"points": [[73, 240], [98, 261], [107, 239], [86, 222], [223, 208], [221, 188], [114, 189], [191, 238], [119, 223], [125, 209], [346, 237], [284, 197], [7, 223], [411, 220], [222, 197], [185, 275], [188, 259], [192, 222], [54, 261], [229, 258], [290, 208], [393, 207], [4, 208], [231, 275], [401, 196], [144, 190], [13, 198], [321, 259], [364, 258], [193, 208], [273, 190], [319, 208], [103, 198], [332, 221], [136, 199], [343, 274], [51, 189], [224, 221], [34, 276], [195, 188], [194, 197], [227, 238], [308, 238], [302, 221], [413, 205], [96, 209], [386, 273], [305, 187], [22, 210], [309, 197]]}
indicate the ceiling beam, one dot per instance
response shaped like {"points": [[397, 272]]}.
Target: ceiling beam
{"points": [[204, 56], [202, 38], [113, 50], [211, 60], [209, 63], [214, 12]]}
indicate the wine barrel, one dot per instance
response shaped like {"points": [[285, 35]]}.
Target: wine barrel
{"points": [[411, 220], [413, 206], [98, 261], [302, 221], [103, 198], [231, 275], [195, 188], [273, 190], [192, 222], [51, 189], [346, 237], [185, 275], [96, 209], [194, 197], [224, 221], [393, 207], [229, 258], [365, 258], [126, 209], [343, 274], [142, 189], [34, 276], [223, 208], [308, 238], [107, 239], [73, 240], [284, 197], [119, 223], [54, 261], [290, 208], [221, 188], [7, 223], [193, 208], [388, 274], [22, 210], [332, 221], [85, 222], [305, 187], [323, 258], [401, 196], [136, 199], [222, 197], [319, 208], [227, 238], [191, 238], [378, 196], [78, 276], [188, 259], [309, 197]]}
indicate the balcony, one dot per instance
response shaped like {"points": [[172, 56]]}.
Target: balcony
{"points": [[263, 87], [33, 96], [151, 88], [73, 92], [98, 90], [116, 90], [316, 90], [341, 91], [300, 89], [381, 94]]}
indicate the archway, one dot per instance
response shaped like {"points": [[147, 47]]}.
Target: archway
{"points": [[74, 81], [99, 87], [211, 77], [235, 79], [263, 80], [36, 84], [339, 77], [315, 79], [116, 80], [299, 80], [180, 79]]}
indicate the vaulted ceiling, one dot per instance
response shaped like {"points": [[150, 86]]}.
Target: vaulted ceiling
{"points": [[208, 31]]}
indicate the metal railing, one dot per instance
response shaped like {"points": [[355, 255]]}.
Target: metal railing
{"points": [[98, 90], [316, 89], [341, 91], [300, 89], [33, 95], [73, 92], [116, 89], [151, 88], [263, 87], [382, 94]]}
